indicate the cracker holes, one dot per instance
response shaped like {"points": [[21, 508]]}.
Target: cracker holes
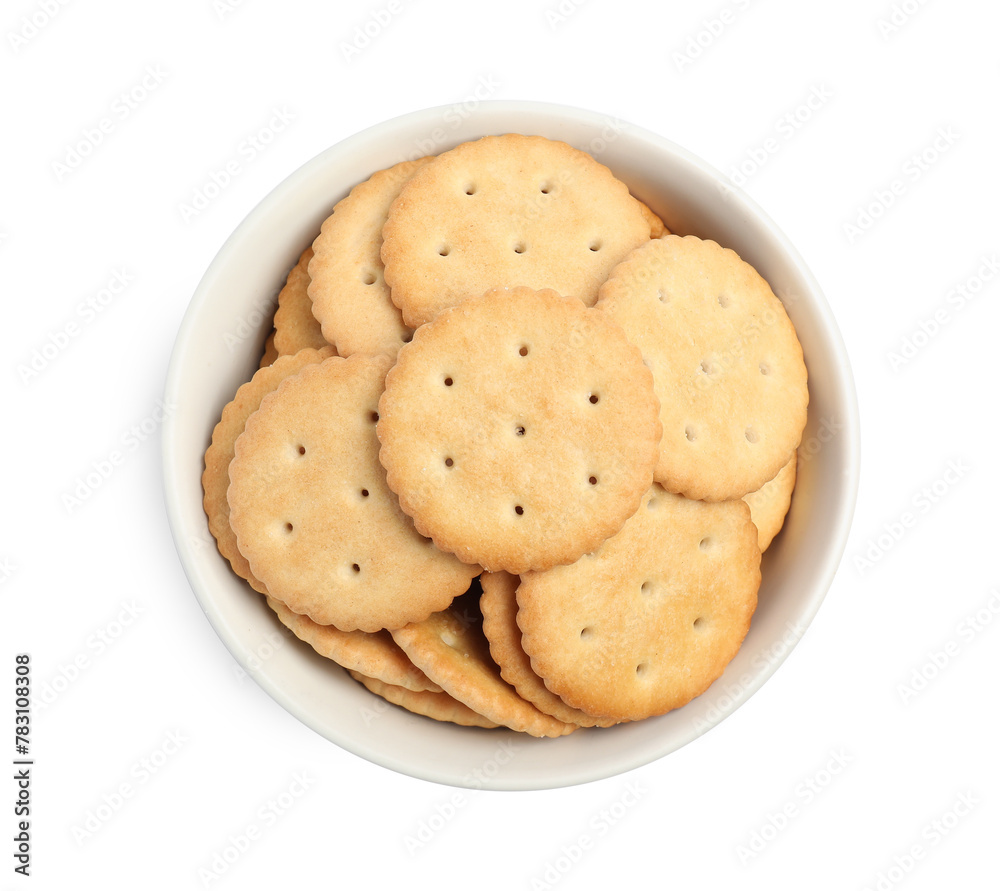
{"points": [[723, 301], [470, 189], [406, 336], [652, 504], [524, 350], [520, 247], [355, 568], [594, 398], [586, 633], [373, 417], [289, 527], [369, 278], [595, 245], [449, 462], [706, 544], [751, 435], [545, 188], [518, 510], [592, 479], [662, 296], [690, 433], [365, 493], [444, 250], [641, 669], [646, 587], [706, 367], [699, 623], [519, 430], [765, 369], [449, 381], [301, 450]]}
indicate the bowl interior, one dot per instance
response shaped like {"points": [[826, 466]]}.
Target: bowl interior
{"points": [[220, 342]]}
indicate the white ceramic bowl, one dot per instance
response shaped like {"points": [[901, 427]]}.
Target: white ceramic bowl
{"points": [[220, 341]]}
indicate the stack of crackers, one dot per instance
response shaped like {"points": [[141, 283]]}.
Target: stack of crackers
{"points": [[514, 450]]}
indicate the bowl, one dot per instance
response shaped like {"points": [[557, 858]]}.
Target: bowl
{"points": [[221, 339]]}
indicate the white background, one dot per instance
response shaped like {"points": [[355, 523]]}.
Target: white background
{"points": [[863, 772]]}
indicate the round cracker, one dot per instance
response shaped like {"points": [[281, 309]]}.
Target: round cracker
{"points": [[215, 478], [770, 503], [506, 210], [449, 647], [270, 351], [439, 706], [499, 607], [656, 227], [727, 364], [347, 289], [519, 429], [295, 326], [313, 514], [373, 654], [650, 619]]}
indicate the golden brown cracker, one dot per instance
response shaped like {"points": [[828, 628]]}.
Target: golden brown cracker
{"points": [[728, 366], [502, 211], [770, 503], [295, 326], [374, 654], [215, 478], [439, 706], [499, 607], [519, 429], [656, 227], [347, 288], [270, 351], [313, 514], [650, 619], [449, 647]]}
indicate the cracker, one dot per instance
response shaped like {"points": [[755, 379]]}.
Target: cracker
{"points": [[270, 351], [499, 608], [770, 503], [347, 288], [727, 364], [519, 429], [506, 210], [295, 326], [449, 647], [439, 706], [650, 619], [373, 654], [313, 514], [656, 227], [215, 478]]}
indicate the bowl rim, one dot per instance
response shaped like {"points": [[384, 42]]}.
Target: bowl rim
{"points": [[189, 553]]}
